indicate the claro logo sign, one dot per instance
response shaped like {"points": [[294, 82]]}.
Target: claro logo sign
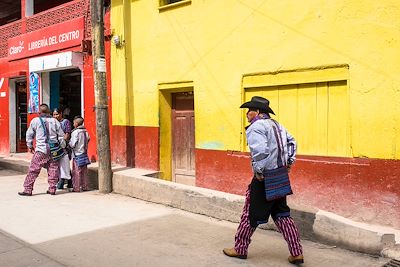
{"points": [[16, 49], [56, 37]]}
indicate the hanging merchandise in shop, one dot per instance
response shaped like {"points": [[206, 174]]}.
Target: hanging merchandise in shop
{"points": [[34, 86], [59, 36]]}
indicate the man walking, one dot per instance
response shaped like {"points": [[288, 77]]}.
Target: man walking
{"points": [[44, 129], [273, 152]]}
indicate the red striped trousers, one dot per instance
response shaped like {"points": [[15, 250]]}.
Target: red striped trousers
{"points": [[79, 177], [285, 225], [39, 161]]}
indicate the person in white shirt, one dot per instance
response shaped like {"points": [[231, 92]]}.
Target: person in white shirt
{"points": [[64, 164], [43, 129]]}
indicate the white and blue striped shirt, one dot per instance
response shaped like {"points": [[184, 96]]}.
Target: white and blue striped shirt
{"points": [[271, 145]]}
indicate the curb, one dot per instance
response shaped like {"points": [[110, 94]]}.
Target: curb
{"points": [[336, 230], [315, 225]]}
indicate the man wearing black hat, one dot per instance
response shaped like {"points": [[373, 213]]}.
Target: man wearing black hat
{"points": [[273, 151]]}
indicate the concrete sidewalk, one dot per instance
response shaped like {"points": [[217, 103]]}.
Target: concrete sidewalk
{"points": [[92, 229], [315, 225]]}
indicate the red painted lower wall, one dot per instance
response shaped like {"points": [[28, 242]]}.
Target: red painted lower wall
{"points": [[135, 146], [223, 170], [366, 190], [122, 144], [147, 148]]}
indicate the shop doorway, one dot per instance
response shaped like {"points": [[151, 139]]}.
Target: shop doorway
{"points": [[66, 92], [21, 116], [183, 139]]}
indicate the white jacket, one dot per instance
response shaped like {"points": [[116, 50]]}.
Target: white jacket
{"points": [[77, 142]]}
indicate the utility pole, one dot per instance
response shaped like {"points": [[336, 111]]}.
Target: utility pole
{"points": [[101, 99]]}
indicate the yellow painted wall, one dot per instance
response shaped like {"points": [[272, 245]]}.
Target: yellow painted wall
{"points": [[216, 44], [121, 65]]}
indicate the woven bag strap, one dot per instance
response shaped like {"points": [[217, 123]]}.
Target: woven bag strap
{"points": [[278, 137], [45, 129]]}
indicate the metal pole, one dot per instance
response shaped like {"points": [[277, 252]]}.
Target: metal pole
{"points": [[101, 99]]}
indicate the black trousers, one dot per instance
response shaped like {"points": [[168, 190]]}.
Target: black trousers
{"points": [[260, 209]]}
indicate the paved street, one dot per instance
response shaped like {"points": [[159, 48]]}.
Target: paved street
{"points": [[90, 229]]}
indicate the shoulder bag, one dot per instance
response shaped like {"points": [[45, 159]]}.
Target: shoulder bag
{"points": [[56, 151], [277, 182]]}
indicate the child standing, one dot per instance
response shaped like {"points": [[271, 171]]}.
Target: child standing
{"points": [[79, 143]]}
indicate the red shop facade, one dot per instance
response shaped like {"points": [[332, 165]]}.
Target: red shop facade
{"points": [[46, 58]]}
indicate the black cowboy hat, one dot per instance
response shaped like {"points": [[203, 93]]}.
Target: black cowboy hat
{"points": [[260, 103]]}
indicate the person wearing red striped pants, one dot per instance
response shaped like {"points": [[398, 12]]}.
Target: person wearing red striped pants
{"points": [[273, 151], [43, 129], [79, 145]]}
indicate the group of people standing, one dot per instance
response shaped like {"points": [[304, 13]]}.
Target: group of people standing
{"points": [[272, 151], [56, 144]]}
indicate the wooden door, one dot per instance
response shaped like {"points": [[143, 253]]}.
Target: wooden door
{"points": [[22, 118], [183, 141]]}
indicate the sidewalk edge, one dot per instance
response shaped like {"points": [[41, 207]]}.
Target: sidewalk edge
{"points": [[315, 225]]}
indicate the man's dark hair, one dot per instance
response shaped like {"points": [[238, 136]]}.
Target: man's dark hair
{"points": [[58, 110], [79, 120], [44, 108]]}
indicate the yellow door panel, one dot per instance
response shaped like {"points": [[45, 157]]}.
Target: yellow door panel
{"points": [[306, 118], [338, 119], [321, 131], [287, 107], [250, 93], [316, 114]]}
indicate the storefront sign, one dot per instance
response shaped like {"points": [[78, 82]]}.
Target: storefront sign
{"points": [[59, 36], [34, 86]]}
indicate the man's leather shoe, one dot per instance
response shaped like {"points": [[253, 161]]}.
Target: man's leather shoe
{"points": [[297, 260], [25, 194], [51, 193], [231, 252]]}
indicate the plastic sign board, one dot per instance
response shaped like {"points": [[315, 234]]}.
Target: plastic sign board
{"points": [[55, 37], [34, 87], [101, 65]]}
